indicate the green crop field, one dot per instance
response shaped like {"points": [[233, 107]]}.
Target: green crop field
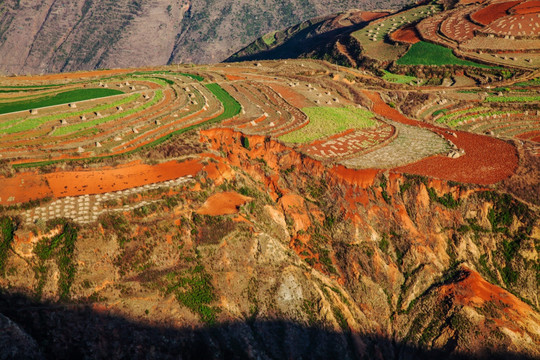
{"points": [[531, 98], [60, 98], [20, 125], [88, 124], [327, 121], [424, 53], [399, 79]]}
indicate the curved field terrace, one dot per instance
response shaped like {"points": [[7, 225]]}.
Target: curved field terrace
{"points": [[321, 116]]}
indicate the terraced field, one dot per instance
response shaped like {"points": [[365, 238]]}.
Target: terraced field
{"points": [[142, 108], [374, 38], [317, 115]]}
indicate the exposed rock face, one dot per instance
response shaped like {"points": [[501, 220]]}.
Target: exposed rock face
{"points": [[64, 35], [320, 262]]}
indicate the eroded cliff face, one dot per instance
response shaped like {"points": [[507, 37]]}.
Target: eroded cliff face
{"points": [[319, 261]]}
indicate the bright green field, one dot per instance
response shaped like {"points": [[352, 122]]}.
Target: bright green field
{"points": [[327, 121], [60, 98], [513, 98], [398, 79], [424, 53]]}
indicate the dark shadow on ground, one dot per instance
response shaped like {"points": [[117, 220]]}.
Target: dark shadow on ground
{"points": [[302, 42], [32, 329]]}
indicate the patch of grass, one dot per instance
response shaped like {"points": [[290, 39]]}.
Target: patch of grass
{"points": [[60, 248], [270, 38], [440, 111], [327, 121], [424, 53], [194, 290], [57, 99], [447, 200]]}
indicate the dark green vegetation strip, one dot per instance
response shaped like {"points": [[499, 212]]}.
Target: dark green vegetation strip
{"points": [[60, 98], [60, 248], [424, 53], [231, 108], [166, 72], [7, 229]]}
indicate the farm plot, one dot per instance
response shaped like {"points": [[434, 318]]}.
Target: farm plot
{"points": [[328, 121], [411, 144], [509, 126], [87, 208], [492, 12], [424, 53], [57, 99], [458, 27], [349, 143], [373, 38], [150, 108], [526, 7], [275, 115]]}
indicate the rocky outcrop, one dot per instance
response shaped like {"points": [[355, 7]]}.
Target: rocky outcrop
{"points": [[322, 261]]}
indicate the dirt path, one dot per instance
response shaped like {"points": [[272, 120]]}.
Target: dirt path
{"points": [[486, 160]]}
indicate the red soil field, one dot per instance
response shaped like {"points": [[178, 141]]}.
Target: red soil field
{"points": [[292, 97], [531, 135], [75, 183], [407, 35], [234, 77], [23, 187], [368, 15], [224, 203], [350, 142], [492, 12], [486, 160], [516, 25], [31, 185], [467, 2], [528, 7]]}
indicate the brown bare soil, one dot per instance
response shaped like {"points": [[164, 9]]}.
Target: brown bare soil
{"points": [[224, 203], [31, 186], [23, 187], [407, 35], [492, 12], [369, 15], [75, 183], [526, 7], [292, 97]]}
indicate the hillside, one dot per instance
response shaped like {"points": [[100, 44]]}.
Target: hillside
{"points": [[460, 33], [61, 35], [282, 208], [207, 211]]}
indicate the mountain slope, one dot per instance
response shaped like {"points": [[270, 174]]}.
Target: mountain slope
{"points": [[63, 35]]}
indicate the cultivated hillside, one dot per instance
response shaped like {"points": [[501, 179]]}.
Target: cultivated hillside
{"points": [[65, 35]]}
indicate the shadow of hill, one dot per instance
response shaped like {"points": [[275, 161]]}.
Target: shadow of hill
{"points": [[57, 331], [299, 44]]}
